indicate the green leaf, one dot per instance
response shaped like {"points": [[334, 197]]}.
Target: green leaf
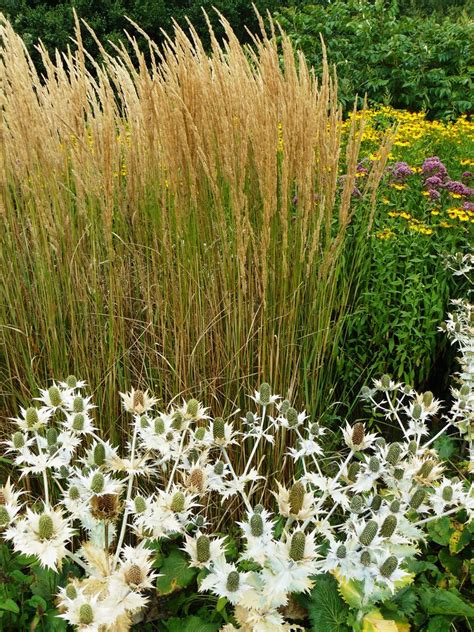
{"points": [[190, 624], [439, 624], [446, 602], [440, 530], [176, 572], [9, 605], [326, 609]]}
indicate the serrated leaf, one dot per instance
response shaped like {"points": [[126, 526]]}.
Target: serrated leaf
{"points": [[439, 624], [9, 605], [190, 624], [176, 572], [446, 602], [326, 609]]}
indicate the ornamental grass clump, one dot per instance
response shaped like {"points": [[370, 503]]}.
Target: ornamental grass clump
{"points": [[149, 218], [362, 521]]}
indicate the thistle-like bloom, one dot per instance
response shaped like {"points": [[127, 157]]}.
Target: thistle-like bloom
{"points": [[295, 502], [9, 504], [264, 396], [137, 402], [44, 535], [203, 550], [225, 580], [84, 611], [32, 419], [55, 397], [356, 438], [446, 494]]}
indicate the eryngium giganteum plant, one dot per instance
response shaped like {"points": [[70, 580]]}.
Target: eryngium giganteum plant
{"points": [[192, 207], [362, 523]]}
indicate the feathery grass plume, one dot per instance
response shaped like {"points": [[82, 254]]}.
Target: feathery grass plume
{"points": [[148, 218]]}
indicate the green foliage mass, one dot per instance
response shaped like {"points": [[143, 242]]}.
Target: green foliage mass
{"points": [[413, 61]]}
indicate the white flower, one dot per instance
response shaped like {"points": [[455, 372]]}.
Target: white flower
{"points": [[79, 424], [226, 581], [353, 433], [96, 483], [9, 504], [44, 535], [199, 546], [33, 418], [55, 397], [85, 612], [295, 502], [138, 402], [331, 488], [264, 397], [446, 494], [306, 447], [258, 534]]}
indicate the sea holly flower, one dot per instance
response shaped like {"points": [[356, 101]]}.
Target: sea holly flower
{"points": [[137, 401], [44, 535], [203, 550]]}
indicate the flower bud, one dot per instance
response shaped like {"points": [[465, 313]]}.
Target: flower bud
{"points": [[426, 469], [71, 592], [64, 471], [292, 417], [199, 521], [357, 504], [296, 497], [144, 423], [54, 395], [385, 381], [394, 453], [97, 483], [354, 469], [140, 504], [86, 614], [159, 426], [447, 493], [380, 442], [358, 433], [265, 394], [374, 464], [376, 502], [365, 392], [138, 401], [314, 429], [233, 580], [365, 558], [256, 525], [4, 517], [18, 440], [219, 468], [341, 552], [74, 493], [388, 526], [45, 527], [78, 404], [417, 410], [200, 434], [395, 506], [192, 408], [412, 447], [99, 454], [389, 566], [169, 436], [427, 398], [31, 417], [133, 576], [259, 509], [178, 502], [196, 480], [203, 549], [71, 381], [417, 499], [78, 422], [178, 420], [398, 473], [369, 533], [297, 546], [218, 428], [284, 406], [250, 418], [51, 436]]}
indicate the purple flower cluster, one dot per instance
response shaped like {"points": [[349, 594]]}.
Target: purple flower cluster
{"points": [[468, 206], [434, 166], [401, 171], [453, 186]]}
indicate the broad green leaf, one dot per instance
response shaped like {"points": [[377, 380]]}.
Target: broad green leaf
{"points": [[9, 605], [326, 609], [190, 624], [446, 602], [176, 572]]}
